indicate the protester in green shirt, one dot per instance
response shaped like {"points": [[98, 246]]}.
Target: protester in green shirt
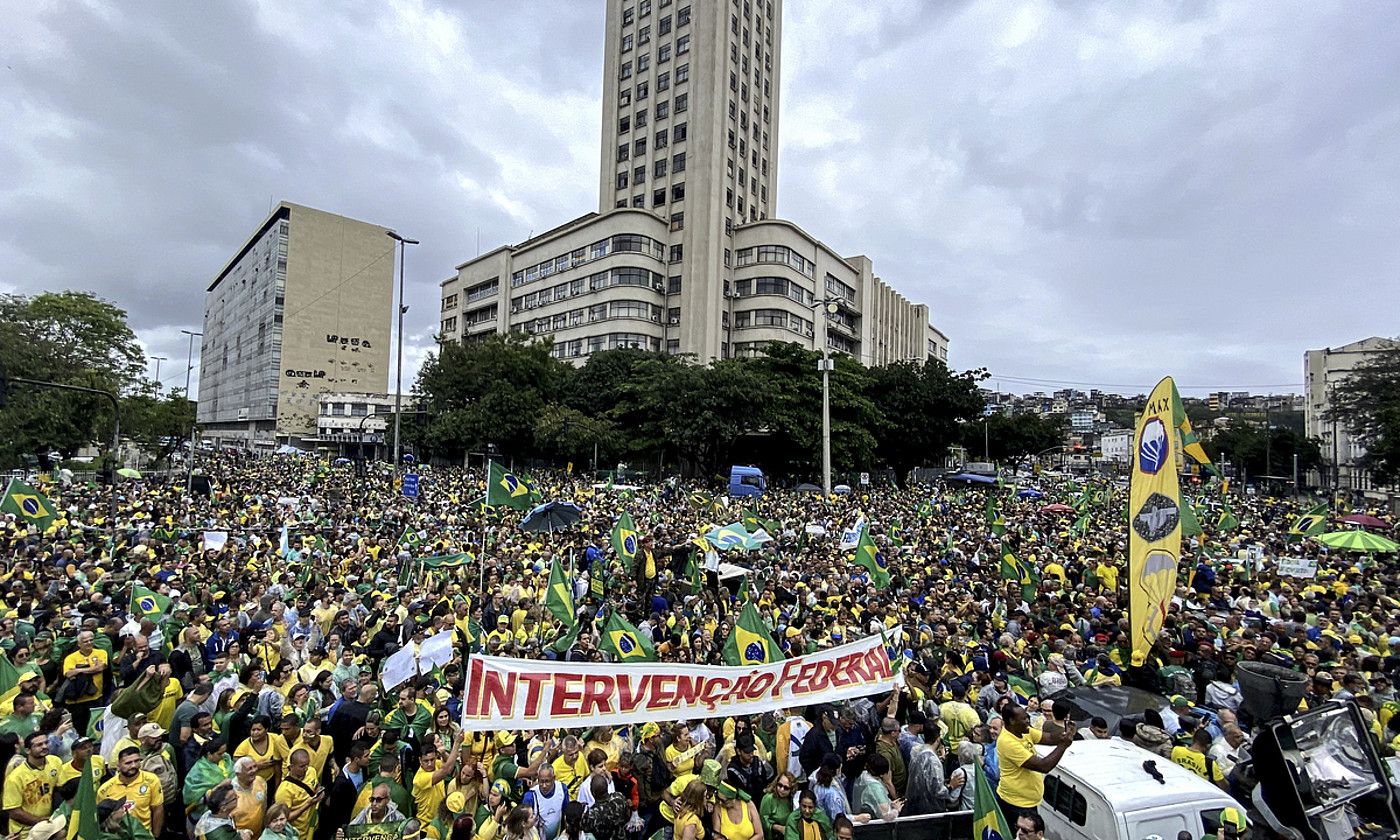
{"points": [[776, 806]]}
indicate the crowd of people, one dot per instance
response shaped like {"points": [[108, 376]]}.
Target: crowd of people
{"points": [[250, 704]]}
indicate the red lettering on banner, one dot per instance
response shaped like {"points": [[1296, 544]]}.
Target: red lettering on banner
{"points": [[758, 685], [564, 701], [858, 668], [687, 688], [498, 694], [473, 688], [627, 701], [715, 690], [822, 675], [803, 683], [663, 692], [839, 677], [789, 667], [533, 683], [879, 664], [597, 694]]}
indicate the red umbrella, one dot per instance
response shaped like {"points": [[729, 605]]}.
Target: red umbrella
{"points": [[1057, 508], [1365, 521]]}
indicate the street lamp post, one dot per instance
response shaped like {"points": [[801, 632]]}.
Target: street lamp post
{"points": [[189, 366], [157, 360], [398, 383], [826, 365]]}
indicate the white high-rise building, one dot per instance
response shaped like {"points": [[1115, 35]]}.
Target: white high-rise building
{"points": [[685, 254], [1322, 371]]}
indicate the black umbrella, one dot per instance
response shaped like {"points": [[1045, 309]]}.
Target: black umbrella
{"points": [[551, 516]]}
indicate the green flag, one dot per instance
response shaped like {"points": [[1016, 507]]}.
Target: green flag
{"points": [[1081, 524], [750, 643], [1190, 523], [1312, 522], [82, 823], [562, 644], [410, 539], [1227, 521], [873, 560], [28, 505], [625, 540], [446, 561], [560, 598], [146, 603], [625, 641], [9, 675], [988, 823], [508, 489]]}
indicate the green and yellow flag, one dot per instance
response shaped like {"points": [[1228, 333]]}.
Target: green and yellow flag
{"points": [[873, 560], [28, 505], [625, 641], [146, 603], [988, 823], [1313, 521], [82, 823], [508, 489], [750, 643], [1190, 444], [559, 600], [1154, 517], [625, 540]]}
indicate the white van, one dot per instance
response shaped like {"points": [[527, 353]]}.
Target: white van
{"points": [[1100, 791]]}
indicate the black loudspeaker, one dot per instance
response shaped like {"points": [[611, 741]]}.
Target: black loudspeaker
{"points": [[202, 485]]}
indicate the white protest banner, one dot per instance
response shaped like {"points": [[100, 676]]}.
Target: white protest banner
{"points": [[436, 650], [215, 540], [1298, 567], [851, 538], [398, 667], [504, 693]]}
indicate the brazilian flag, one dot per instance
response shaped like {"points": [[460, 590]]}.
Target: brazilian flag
{"points": [[873, 560], [28, 505], [750, 643], [1190, 444], [1314, 521], [625, 641], [1227, 521], [1190, 523], [988, 823], [1021, 572], [625, 540], [146, 603], [560, 598], [508, 489]]}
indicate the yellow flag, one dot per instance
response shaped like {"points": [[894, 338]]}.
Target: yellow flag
{"points": [[1154, 519]]}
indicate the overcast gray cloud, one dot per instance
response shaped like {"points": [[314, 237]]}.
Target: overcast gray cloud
{"points": [[1082, 192]]}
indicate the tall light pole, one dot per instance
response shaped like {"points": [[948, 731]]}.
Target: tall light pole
{"points": [[398, 384], [826, 365], [189, 366], [157, 360]]}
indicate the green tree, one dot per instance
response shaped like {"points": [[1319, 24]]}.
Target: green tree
{"points": [[489, 391], [567, 434], [73, 338], [1012, 437], [1367, 404], [1263, 451], [921, 408], [159, 425]]}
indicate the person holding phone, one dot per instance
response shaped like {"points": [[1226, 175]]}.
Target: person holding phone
{"points": [[301, 793]]}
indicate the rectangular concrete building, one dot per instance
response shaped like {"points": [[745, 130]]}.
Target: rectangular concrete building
{"points": [[303, 308], [1323, 370], [685, 254]]}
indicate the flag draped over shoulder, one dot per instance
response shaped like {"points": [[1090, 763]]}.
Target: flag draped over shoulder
{"points": [[560, 598], [146, 603], [750, 643], [625, 641], [1313, 521], [988, 823], [27, 504], [869, 556], [508, 489], [1154, 517]]}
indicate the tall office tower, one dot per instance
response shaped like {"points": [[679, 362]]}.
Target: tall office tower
{"points": [[685, 254], [304, 307]]}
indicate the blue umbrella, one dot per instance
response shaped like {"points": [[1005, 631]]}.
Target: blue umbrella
{"points": [[1029, 493], [551, 516], [341, 461]]}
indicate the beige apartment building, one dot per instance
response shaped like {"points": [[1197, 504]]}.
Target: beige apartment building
{"points": [[1322, 371], [303, 308], [685, 254]]}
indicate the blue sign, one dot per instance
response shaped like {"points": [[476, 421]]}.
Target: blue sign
{"points": [[410, 485]]}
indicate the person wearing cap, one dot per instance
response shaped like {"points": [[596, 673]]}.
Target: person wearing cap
{"points": [[504, 767], [83, 750], [53, 828], [139, 787], [29, 784], [1233, 825], [1180, 706]]}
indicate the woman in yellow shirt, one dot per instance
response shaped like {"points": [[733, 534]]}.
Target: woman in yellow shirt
{"points": [[689, 824], [735, 818], [683, 755], [265, 747]]}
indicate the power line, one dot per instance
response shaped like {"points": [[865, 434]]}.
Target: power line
{"points": [[1029, 380]]}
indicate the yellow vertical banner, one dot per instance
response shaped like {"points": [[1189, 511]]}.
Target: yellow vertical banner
{"points": [[1154, 519]]}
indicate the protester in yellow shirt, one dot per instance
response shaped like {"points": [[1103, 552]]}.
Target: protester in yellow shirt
{"points": [[139, 787], [1022, 784], [29, 785], [429, 783], [301, 793]]}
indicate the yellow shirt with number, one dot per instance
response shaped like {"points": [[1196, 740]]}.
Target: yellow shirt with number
{"points": [[1197, 763], [1019, 785], [31, 790], [144, 794]]}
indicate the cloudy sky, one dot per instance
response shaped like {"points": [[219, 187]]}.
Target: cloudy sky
{"points": [[1091, 193]]}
